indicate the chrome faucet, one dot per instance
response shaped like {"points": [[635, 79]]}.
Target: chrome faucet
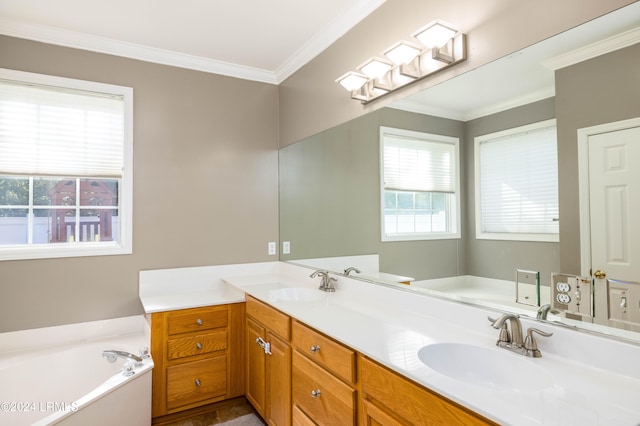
{"points": [[111, 355], [351, 269], [544, 310], [327, 281], [513, 340]]}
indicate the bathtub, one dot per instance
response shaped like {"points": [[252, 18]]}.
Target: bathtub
{"points": [[57, 375], [483, 291]]}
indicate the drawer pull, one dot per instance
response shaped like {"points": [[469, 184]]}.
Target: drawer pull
{"points": [[198, 382], [315, 349], [198, 345], [199, 321], [315, 393]]}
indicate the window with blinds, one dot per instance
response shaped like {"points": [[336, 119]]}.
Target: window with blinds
{"points": [[65, 167], [420, 185], [517, 184]]}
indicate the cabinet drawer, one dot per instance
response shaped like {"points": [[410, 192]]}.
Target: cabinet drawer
{"points": [[327, 353], [275, 320], [336, 402], [196, 381], [300, 418], [405, 399], [180, 347], [197, 319]]}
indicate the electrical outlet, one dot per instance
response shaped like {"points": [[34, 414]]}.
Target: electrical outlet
{"points": [[272, 248], [286, 247]]}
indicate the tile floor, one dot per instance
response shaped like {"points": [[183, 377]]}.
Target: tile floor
{"points": [[241, 413]]}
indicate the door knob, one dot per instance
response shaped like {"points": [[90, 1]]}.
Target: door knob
{"points": [[599, 274]]}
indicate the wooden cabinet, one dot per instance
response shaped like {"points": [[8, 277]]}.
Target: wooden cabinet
{"points": [[297, 375], [323, 379], [388, 399], [268, 362], [198, 357]]}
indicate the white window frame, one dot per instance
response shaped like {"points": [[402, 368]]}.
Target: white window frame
{"points": [[480, 235], [125, 188], [455, 220]]}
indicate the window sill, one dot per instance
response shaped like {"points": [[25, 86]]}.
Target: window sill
{"points": [[543, 238], [50, 251]]}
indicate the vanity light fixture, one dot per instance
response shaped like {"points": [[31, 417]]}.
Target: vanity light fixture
{"points": [[403, 52], [435, 34], [440, 46], [375, 68], [352, 81]]}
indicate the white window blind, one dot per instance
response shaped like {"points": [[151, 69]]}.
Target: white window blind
{"points": [[53, 131], [419, 185], [418, 165], [517, 183]]}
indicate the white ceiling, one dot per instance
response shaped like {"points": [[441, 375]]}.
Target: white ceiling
{"points": [[251, 39]]}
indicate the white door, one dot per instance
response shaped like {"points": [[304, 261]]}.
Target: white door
{"points": [[614, 194], [614, 215]]}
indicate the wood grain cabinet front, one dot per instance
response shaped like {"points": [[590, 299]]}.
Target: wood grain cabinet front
{"points": [[198, 357], [388, 399], [323, 379], [269, 362]]}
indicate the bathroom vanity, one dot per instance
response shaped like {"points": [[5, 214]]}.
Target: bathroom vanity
{"points": [[198, 355], [357, 356]]}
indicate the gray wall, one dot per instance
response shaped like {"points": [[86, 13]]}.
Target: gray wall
{"points": [[330, 197], [205, 185], [493, 258], [601, 90]]}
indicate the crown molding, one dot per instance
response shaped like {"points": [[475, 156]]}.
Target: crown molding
{"points": [[306, 53], [418, 108], [519, 101], [109, 46], [325, 38], [465, 116], [593, 50]]}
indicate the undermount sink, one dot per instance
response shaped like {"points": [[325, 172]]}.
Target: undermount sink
{"points": [[488, 367], [296, 294]]}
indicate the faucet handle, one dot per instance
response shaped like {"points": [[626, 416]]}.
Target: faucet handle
{"points": [[505, 335], [530, 344]]}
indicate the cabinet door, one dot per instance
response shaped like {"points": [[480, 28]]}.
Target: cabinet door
{"points": [[397, 396], [278, 382], [256, 367], [373, 416]]}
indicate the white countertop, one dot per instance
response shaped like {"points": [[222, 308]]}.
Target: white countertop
{"points": [[214, 295], [182, 288], [596, 380], [390, 326]]}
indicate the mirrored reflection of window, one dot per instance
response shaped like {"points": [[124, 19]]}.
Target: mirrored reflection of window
{"points": [[420, 185], [517, 184]]}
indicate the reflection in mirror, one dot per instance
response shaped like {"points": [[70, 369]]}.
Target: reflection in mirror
{"points": [[330, 185]]}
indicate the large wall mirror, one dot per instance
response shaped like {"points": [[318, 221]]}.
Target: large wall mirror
{"points": [[330, 185]]}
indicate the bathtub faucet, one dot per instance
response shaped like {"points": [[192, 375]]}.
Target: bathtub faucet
{"points": [[111, 355]]}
